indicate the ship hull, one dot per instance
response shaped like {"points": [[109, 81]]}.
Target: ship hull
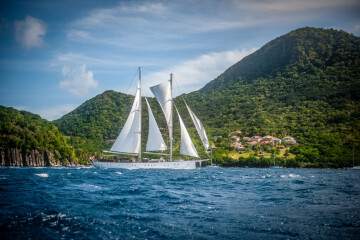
{"points": [[192, 164]]}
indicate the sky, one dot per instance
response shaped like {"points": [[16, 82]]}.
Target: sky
{"points": [[55, 55]]}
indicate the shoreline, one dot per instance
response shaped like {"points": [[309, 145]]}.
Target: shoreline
{"points": [[90, 166]]}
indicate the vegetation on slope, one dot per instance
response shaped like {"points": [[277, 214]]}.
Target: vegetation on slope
{"points": [[305, 84], [27, 131]]}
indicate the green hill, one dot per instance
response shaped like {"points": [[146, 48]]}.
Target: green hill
{"points": [[98, 118], [26, 139], [305, 84]]}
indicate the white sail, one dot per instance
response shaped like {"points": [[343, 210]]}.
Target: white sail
{"points": [[155, 141], [129, 139], [163, 94], [200, 128], [186, 145]]}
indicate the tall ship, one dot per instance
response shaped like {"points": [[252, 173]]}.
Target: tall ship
{"points": [[129, 140]]}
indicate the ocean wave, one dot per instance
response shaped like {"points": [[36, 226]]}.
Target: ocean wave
{"points": [[156, 204], [291, 175], [42, 174], [92, 186], [266, 176]]}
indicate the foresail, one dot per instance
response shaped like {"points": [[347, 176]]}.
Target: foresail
{"points": [[129, 139], [163, 94], [155, 140], [186, 145], [200, 128]]}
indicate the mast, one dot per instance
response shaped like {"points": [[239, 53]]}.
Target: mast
{"points": [[274, 159], [171, 132], [354, 156], [139, 157]]}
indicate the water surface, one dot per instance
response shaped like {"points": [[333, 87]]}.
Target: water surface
{"points": [[210, 203]]}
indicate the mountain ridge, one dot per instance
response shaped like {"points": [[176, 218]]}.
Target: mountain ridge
{"points": [[289, 51]]}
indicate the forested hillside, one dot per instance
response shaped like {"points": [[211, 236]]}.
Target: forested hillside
{"points": [[305, 84], [26, 139], [100, 117]]}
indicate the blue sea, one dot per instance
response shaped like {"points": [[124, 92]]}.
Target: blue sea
{"points": [[207, 203]]}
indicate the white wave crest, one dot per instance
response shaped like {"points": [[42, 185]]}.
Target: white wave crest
{"points": [[42, 175], [266, 176], [291, 175]]}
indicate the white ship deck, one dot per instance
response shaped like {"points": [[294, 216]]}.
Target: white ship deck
{"points": [[191, 164]]}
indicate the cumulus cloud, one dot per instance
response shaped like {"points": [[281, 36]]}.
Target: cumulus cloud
{"points": [[195, 73], [30, 32], [78, 81]]}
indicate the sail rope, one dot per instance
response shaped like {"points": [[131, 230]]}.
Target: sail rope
{"points": [[132, 80]]}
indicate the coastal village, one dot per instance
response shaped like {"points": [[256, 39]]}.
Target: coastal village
{"points": [[255, 144]]}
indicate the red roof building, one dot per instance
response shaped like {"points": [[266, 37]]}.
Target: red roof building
{"points": [[255, 138], [236, 138], [253, 143]]}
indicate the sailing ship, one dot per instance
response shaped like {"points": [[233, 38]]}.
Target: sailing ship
{"points": [[129, 140]]}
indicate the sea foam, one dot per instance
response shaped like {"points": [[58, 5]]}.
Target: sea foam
{"points": [[42, 175]]}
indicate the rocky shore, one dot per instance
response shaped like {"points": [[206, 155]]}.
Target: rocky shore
{"points": [[20, 158]]}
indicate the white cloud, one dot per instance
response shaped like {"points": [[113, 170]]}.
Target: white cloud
{"points": [[30, 32], [21, 108], [56, 112], [291, 6], [193, 74], [138, 24], [50, 113], [103, 61], [78, 81], [71, 58], [120, 13]]}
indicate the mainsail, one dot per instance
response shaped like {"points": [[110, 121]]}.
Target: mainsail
{"points": [[186, 145], [163, 94], [155, 141], [129, 139], [199, 127]]}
